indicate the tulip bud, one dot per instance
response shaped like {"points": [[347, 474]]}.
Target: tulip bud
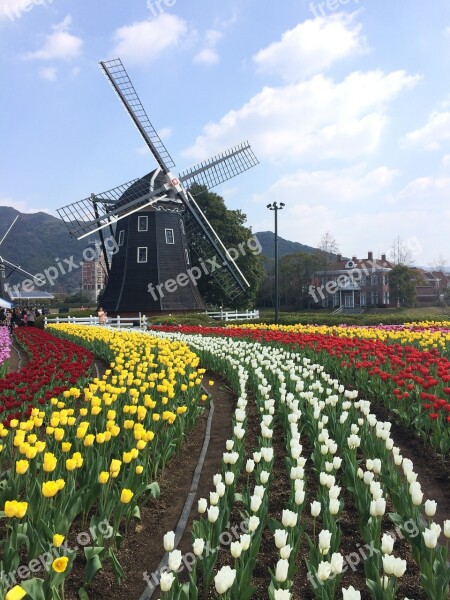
{"points": [[315, 508], [387, 544], [285, 552], [250, 465], [213, 514], [169, 541], [430, 508], [280, 538], [245, 540], [281, 571], [202, 505], [235, 549], [175, 560], [198, 546]]}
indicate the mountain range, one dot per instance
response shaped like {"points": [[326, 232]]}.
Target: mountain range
{"points": [[39, 241]]}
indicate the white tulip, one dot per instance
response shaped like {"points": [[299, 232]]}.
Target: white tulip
{"points": [[282, 595], [214, 498], [198, 546], [337, 563], [259, 491], [368, 477], [166, 581], [299, 496], [175, 558], [280, 536], [289, 518], [213, 514], [224, 579], [334, 506], [250, 466], [376, 466], [334, 492], [447, 528], [264, 477], [388, 564], [239, 432], [324, 541], [281, 571], [285, 552], [323, 571], [253, 523], [229, 445], [387, 543], [169, 541], [255, 503], [245, 540], [315, 508], [217, 478], [235, 549], [430, 508], [351, 594], [399, 567], [220, 489], [202, 505]]}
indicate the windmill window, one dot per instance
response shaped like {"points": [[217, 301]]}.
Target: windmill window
{"points": [[121, 237], [142, 223], [142, 255], [169, 236]]}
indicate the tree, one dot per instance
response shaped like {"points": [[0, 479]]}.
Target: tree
{"points": [[440, 263], [229, 225], [327, 248], [402, 285], [400, 254]]}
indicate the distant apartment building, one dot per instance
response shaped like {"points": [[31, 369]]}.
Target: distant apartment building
{"points": [[93, 277], [357, 283]]}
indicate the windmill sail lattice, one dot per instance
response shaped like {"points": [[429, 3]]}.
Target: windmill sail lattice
{"points": [[161, 190]]}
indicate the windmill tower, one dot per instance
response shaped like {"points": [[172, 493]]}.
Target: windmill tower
{"points": [[159, 229], [8, 268]]}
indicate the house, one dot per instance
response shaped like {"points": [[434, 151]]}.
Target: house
{"points": [[353, 284], [431, 288]]}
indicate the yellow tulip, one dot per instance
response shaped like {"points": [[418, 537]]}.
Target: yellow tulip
{"points": [[16, 593], [57, 540], [22, 466], [103, 477], [139, 470], [60, 564], [126, 496], [49, 489]]}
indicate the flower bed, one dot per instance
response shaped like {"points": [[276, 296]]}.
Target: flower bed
{"points": [[86, 459], [352, 452], [54, 366], [5, 350], [413, 383]]}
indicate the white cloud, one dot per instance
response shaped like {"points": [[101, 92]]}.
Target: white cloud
{"points": [[311, 47], [49, 73], [345, 186], [446, 160], [209, 55], [314, 120], [145, 41], [432, 135], [58, 45]]}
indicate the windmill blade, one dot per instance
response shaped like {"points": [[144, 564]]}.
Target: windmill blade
{"points": [[19, 269], [9, 229], [208, 248], [121, 83], [91, 214], [220, 168]]}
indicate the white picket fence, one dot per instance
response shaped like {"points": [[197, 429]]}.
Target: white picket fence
{"points": [[119, 322], [233, 315]]}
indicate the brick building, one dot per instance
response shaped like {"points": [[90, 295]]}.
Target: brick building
{"points": [[353, 284]]}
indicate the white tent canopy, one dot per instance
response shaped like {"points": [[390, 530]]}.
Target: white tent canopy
{"points": [[5, 303]]}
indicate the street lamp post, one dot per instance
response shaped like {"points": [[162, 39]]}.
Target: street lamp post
{"points": [[276, 207]]}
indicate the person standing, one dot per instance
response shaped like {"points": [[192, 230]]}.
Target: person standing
{"points": [[101, 316], [31, 318]]}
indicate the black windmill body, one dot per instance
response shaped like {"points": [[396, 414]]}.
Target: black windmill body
{"points": [[159, 229]]}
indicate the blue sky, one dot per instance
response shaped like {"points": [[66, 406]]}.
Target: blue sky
{"points": [[346, 104]]}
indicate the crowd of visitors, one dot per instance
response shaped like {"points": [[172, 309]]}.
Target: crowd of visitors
{"points": [[16, 317]]}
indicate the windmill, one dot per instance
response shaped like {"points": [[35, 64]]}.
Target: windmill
{"points": [[157, 224], [8, 268]]}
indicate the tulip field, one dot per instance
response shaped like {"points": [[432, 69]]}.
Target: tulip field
{"points": [[312, 497]]}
